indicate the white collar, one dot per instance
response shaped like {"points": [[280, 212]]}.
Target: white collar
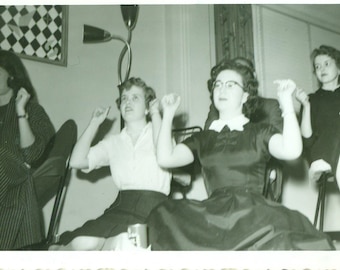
{"points": [[236, 123], [144, 130]]}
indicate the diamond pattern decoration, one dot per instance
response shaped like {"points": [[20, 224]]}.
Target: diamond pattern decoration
{"points": [[32, 30]]}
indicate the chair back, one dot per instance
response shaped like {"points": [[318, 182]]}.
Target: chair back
{"points": [[51, 177], [180, 134]]}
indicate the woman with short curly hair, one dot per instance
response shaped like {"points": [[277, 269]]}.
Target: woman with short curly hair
{"points": [[320, 111]]}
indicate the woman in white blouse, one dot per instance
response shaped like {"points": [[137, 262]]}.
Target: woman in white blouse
{"points": [[131, 156]]}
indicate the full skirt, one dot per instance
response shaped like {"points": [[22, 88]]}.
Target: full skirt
{"points": [[232, 219]]}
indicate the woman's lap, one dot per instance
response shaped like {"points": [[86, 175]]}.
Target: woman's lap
{"points": [[130, 207], [237, 220]]}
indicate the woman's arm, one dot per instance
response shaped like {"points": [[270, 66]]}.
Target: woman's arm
{"points": [[81, 149], [34, 126], [27, 137], [168, 155], [306, 126], [288, 145], [155, 119]]}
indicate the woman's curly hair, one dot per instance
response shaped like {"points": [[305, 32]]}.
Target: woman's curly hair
{"points": [[250, 83], [149, 93], [326, 50]]}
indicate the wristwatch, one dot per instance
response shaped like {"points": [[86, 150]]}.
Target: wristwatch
{"points": [[23, 116]]}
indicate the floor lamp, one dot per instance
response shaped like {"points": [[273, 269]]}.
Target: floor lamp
{"points": [[92, 34]]}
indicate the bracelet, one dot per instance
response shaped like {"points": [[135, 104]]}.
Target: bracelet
{"points": [[23, 116]]}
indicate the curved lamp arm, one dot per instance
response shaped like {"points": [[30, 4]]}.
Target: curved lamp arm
{"points": [[121, 57], [130, 15], [128, 68]]}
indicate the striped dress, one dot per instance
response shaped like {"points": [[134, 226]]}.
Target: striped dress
{"points": [[20, 216]]}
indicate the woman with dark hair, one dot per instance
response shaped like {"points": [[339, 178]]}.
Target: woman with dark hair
{"points": [[233, 154], [320, 111], [25, 130], [267, 111], [131, 156]]}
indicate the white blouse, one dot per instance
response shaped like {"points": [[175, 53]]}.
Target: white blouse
{"points": [[133, 167]]}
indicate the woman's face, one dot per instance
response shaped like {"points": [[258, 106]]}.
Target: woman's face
{"points": [[3, 81], [326, 69], [132, 104], [228, 91]]}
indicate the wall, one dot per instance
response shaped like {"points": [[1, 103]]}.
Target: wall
{"points": [[284, 36], [172, 50]]}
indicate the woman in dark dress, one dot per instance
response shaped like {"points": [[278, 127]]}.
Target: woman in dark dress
{"points": [[233, 154], [320, 113]]}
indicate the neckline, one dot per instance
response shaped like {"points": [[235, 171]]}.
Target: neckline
{"points": [[330, 91], [236, 123]]}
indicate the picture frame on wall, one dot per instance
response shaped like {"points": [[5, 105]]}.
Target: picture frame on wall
{"points": [[36, 32]]}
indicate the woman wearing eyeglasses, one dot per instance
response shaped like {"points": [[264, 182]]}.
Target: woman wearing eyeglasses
{"points": [[233, 153]]}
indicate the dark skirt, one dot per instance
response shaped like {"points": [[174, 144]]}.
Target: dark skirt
{"points": [[232, 219], [130, 207]]}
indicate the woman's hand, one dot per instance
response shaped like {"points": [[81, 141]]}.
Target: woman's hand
{"points": [[170, 104], [302, 97], [285, 92], [99, 115], [21, 100]]}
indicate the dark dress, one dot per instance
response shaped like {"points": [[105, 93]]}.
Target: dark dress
{"points": [[235, 216], [21, 220], [325, 120]]}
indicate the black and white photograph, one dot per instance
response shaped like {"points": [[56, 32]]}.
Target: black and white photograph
{"points": [[170, 135]]}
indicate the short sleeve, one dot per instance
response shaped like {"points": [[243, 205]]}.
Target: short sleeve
{"points": [[264, 135], [193, 142], [98, 156]]}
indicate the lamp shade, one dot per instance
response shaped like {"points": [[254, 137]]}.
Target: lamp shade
{"points": [[93, 34], [130, 14]]}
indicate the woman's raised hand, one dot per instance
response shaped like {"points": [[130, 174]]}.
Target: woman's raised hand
{"points": [[21, 100], [170, 104], [302, 97], [285, 90], [100, 114]]}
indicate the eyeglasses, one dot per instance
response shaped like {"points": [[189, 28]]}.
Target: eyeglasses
{"points": [[218, 85]]}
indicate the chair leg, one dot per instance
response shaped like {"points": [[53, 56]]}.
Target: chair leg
{"points": [[320, 205], [323, 199], [316, 216]]}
